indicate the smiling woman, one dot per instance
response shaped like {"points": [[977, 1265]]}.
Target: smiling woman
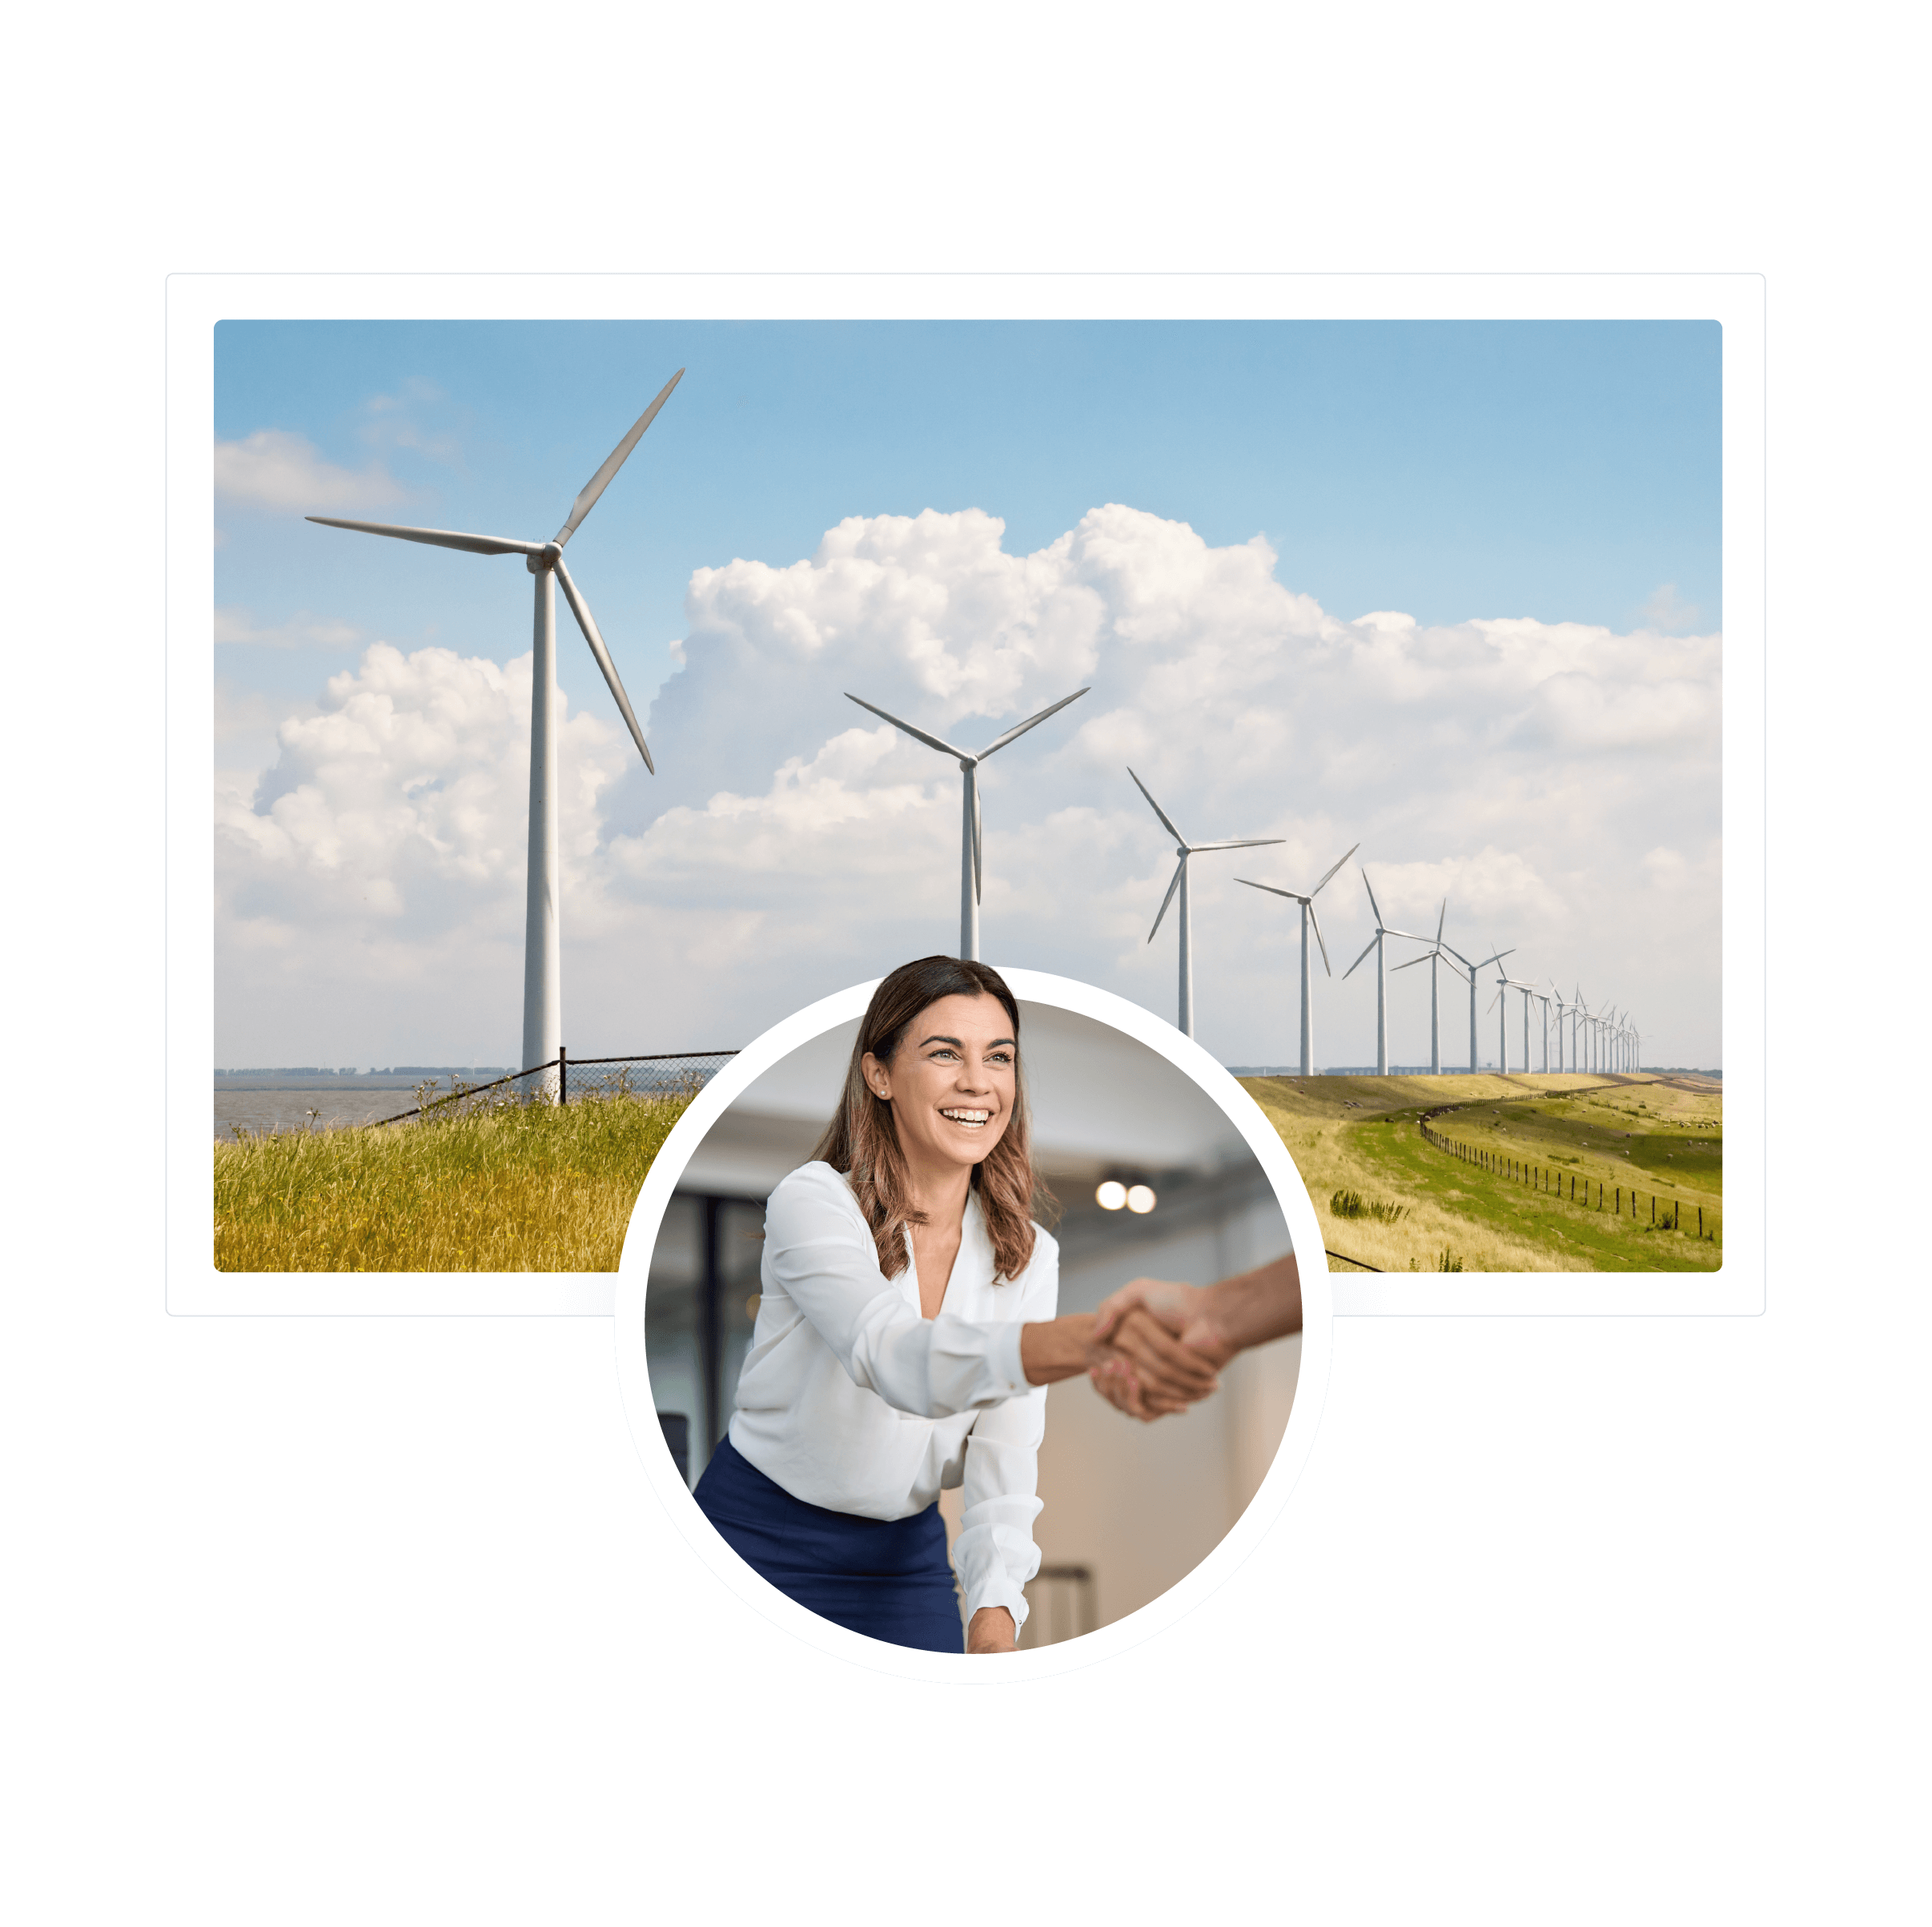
{"points": [[905, 1333]]}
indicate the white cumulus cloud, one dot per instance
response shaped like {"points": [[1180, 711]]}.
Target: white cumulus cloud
{"points": [[273, 468], [1526, 771]]}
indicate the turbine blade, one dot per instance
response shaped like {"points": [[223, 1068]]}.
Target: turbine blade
{"points": [[978, 865], [437, 538], [1458, 957], [1021, 728], [587, 500], [581, 610], [1351, 969], [1323, 947], [1171, 888], [931, 742], [1424, 958], [1237, 843], [1253, 885], [1372, 904], [1167, 822], [1336, 864], [1441, 918]]}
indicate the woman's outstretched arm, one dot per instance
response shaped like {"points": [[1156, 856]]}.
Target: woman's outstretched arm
{"points": [[821, 1257]]}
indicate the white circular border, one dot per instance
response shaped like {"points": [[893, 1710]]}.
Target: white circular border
{"points": [[1214, 1571]]}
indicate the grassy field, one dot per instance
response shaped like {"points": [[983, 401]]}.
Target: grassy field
{"points": [[1407, 1205], [518, 1188]]}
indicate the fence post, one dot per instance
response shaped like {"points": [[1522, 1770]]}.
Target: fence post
{"points": [[562, 1075]]}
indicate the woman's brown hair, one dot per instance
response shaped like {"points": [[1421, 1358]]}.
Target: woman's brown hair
{"points": [[862, 1142]]}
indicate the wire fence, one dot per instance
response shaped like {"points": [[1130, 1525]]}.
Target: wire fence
{"points": [[1662, 1212], [568, 1080]]}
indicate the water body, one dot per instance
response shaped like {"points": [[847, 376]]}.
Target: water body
{"points": [[283, 1101], [251, 1101]]}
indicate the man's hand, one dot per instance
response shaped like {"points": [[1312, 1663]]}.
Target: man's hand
{"points": [[1157, 1320], [1053, 1349], [990, 1630]]}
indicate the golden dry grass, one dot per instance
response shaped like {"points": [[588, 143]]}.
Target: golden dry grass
{"points": [[1359, 1134], [518, 1188]]}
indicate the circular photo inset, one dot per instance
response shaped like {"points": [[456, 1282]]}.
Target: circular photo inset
{"points": [[964, 1313]]}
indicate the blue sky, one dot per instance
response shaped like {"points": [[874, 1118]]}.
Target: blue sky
{"points": [[1538, 741], [1566, 471]]}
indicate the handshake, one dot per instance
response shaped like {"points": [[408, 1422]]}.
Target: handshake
{"points": [[1157, 1347]]}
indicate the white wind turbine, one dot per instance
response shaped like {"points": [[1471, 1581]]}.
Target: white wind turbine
{"points": [[1476, 1061], [1504, 984], [971, 866], [1375, 943], [1432, 957], [1542, 998], [1308, 917], [543, 971], [1562, 1015], [1184, 850]]}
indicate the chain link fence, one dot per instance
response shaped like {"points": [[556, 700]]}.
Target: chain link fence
{"points": [[568, 1080]]}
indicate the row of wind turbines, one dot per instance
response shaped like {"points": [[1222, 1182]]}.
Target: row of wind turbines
{"points": [[1605, 1038]]}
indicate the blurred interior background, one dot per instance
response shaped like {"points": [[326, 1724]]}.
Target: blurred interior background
{"points": [[1128, 1509]]}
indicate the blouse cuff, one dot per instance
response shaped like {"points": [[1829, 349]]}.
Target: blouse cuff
{"points": [[998, 1590], [1004, 1358]]}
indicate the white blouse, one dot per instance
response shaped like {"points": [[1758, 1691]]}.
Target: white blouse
{"points": [[851, 1400]]}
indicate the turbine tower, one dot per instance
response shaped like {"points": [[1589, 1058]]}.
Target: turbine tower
{"points": [[1308, 917], [1184, 850], [1375, 944], [543, 969], [971, 868], [1562, 1015], [1475, 1061], [1432, 957]]}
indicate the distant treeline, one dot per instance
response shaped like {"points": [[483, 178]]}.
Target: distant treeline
{"points": [[373, 1071]]}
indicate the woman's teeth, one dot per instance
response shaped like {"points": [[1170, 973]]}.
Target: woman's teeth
{"points": [[973, 1118]]}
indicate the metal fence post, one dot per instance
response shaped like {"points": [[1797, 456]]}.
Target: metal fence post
{"points": [[562, 1075]]}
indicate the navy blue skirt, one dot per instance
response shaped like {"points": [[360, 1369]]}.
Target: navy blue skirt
{"points": [[887, 1578]]}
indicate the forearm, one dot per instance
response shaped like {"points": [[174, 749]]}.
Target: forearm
{"points": [[1053, 1349], [1254, 1307]]}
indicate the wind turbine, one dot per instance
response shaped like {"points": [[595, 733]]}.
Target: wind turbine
{"points": [[1542, 998], [1475, 1061], [1504, 984], [1562, 1015], [1432, 957], [1184, 850], [971, 870], [543, 967], [1375, 944], [1308, 917]]}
